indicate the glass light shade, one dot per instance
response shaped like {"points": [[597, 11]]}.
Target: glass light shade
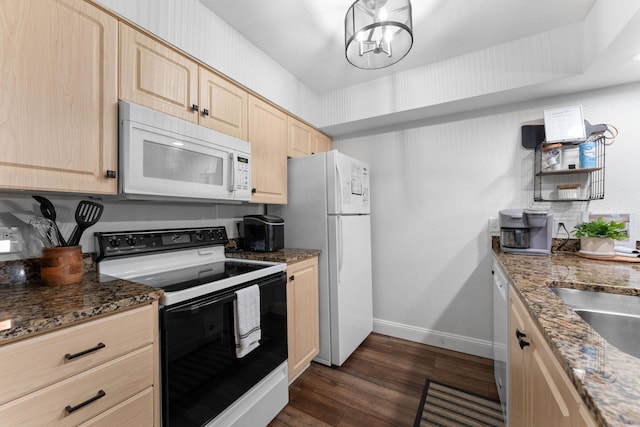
{"points": [[377, 33]]}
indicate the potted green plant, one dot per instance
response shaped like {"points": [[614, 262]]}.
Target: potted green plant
{"points": [[597, 237]]}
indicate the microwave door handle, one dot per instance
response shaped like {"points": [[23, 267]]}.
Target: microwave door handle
{"points": [[232, 180]]}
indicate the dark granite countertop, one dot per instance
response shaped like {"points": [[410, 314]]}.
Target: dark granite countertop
{"points": [[28, 307], [607, 379], [283, 255]]}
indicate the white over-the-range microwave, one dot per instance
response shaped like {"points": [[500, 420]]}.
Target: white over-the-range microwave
{"points": [[164, 157]]}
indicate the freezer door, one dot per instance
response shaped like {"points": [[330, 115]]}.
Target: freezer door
{"points": [[347, 185], [350, 284]]}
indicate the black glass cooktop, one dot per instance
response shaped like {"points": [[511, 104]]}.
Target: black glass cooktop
{"points": [[184, 278]]}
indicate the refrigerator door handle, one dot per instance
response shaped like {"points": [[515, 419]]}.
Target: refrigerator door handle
{"points": [[339, 189], [340, 249]]}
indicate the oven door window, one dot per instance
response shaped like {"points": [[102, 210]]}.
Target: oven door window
{"points": [[201, 374]]}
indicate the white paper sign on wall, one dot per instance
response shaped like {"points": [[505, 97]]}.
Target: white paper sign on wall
{"points": [[564, 124]]}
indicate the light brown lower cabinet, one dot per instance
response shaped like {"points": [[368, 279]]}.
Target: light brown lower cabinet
{"points": [[303, 327], [541, 393], [103, 372]]}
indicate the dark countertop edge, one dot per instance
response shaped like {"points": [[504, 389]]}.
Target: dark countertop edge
{"points": [[37, 326], [42, 326], [286, 255], [601, 405]]}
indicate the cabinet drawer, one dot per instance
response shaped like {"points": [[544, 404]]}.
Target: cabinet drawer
{"points": [[40, 361], [119, 379], [134, 412]]}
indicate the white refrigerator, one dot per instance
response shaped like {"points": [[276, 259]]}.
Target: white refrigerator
{"points": [[328, 209]]}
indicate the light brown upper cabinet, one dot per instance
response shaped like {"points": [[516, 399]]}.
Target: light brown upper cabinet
{"points": [[227, 105], [268, 138], [59, 97], [300, 138], [304, 140], [321, 143], [155, 75]]}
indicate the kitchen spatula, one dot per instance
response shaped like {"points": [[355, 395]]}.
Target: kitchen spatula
{"points": [[87, 214]]}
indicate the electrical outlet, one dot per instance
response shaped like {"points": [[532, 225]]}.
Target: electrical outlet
{"points": [[10, 240], [560, 226], [494, 226]]}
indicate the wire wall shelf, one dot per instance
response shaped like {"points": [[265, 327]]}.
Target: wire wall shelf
{"points": [[558, 176]]}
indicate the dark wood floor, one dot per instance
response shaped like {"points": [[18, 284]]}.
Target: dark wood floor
{"points": [[380, 384]]}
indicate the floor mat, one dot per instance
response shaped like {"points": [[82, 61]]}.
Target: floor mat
{"points": [[445, 406]]}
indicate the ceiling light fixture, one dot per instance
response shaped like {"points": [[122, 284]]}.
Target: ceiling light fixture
{"points": [[377, 33]]}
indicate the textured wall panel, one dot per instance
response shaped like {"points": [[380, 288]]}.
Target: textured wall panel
{"points": [[435, 186], [193, 28]]}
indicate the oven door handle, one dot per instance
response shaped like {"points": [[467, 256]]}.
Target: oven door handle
{"points": [[196, 307]]}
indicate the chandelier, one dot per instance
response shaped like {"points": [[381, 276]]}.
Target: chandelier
{"points": [[377, 33]]}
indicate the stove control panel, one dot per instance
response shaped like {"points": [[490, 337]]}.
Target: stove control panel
{"points": [[130, 243]]}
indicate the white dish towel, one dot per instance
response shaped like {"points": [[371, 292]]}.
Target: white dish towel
{"points": [[246, 310]]}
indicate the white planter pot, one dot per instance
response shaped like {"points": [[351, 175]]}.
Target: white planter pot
{"points": [[598, 245]]}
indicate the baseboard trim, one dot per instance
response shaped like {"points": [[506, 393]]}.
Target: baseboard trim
{"points": [[463, 344]]}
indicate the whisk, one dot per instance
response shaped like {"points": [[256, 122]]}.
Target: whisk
{"points": [[45, 230]]}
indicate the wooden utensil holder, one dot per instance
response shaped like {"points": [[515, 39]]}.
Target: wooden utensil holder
{"points": [[61, 265]]}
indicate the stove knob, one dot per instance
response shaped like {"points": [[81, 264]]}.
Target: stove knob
{"points": [[114, 243], [131, 241], [199, 235], [211, 235], [220, 235]]}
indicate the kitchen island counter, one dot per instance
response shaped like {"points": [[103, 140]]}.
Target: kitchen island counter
{"points": [[607, 379], [28, 307]]}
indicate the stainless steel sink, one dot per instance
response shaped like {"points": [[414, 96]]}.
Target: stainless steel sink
{"points": [[615, 317]]}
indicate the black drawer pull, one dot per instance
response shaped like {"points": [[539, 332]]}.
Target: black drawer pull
{"points": [[522, 343], [82, 353], [292, 278], [71, 409]]}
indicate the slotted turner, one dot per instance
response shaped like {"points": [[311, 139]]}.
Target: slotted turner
{"points": [[87, 214]]}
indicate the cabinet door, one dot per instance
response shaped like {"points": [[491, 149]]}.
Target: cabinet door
{"points": [[157, 76], [547, 401], [518, 358], [225, 103], [268, 138], [541, 393], [303, 328], [300, 140], [321, 143], [58, 105]]}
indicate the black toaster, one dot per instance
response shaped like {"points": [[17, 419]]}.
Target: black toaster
{"points": [[263, 233]]}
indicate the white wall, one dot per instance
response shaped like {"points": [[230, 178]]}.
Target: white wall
{"points": [[190, 26], [17, 208], [435, 185]]}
